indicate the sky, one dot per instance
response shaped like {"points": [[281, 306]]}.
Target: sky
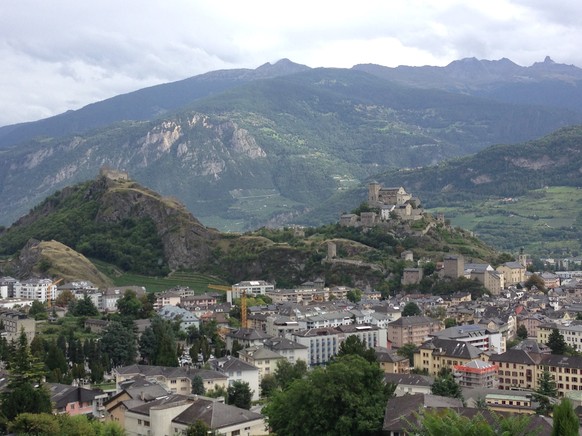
{"points": [[60, 55]]}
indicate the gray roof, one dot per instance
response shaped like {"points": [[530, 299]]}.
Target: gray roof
{"points": [[231, 364], [248, 335], [413, 320], [409, 379], [215, 414], [281, 343], [452, 348]]}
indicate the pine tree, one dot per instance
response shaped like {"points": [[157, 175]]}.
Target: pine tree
{"points": [[25, 392], [565, 419]]}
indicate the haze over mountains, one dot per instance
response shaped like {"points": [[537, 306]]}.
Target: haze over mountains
{"points": [[246, 148]]}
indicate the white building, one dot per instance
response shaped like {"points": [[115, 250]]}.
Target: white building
{"points": [[252, 288], [323, 343], [475, 334], [36, 289], [237, 370], [187, 318]]}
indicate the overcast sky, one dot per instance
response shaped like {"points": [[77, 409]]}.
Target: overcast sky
{"points": [[63, 54]]}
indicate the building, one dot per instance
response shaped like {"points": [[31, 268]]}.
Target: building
{"points": [[251, 288], [479, 336], [75, 400], [263, 358], [14, 323], [238, 370], [409, 384], [245, 337], [187, 318], [173, 379], [323, 343], [36, 289], [169, 298], [514, 272], [173, 415], [391, 362], [476, 374], [572, 334], [436, 353], [290, 350], [454, 266], [412, 330]]}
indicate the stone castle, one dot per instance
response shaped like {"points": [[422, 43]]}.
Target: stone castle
{"points": [[389, 204]]}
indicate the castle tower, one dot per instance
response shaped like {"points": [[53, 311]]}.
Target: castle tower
{"points": [[454, 266], [373, 193], [331, 250]]}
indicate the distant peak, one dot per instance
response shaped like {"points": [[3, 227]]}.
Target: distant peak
{"points": [[548, 60]]}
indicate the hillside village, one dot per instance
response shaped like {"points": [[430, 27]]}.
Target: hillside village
{"points": [[494, 345]]}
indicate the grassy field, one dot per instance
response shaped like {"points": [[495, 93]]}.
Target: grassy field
{"points": [[197, 282], [51, 330], [544, 222]]}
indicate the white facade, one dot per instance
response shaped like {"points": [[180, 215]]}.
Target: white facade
{"points": [[252, 288], [36, 289]]}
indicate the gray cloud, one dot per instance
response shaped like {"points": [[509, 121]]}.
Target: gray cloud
{"points": [[64, 54]]}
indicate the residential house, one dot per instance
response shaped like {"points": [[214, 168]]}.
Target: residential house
{"points": [[237, 370], [250, 288], [476, 374], [175, 413], [475, 334], [323, 343], [173, 379], [263, 358], [290, 350], [412, 330], [168, 298], [391, 362], [15, 323], [409, 384], [187, 318], [436, 353], [246, 337], [75, 400]]}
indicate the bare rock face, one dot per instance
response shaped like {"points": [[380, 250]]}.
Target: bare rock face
{"points": [[187, 242]]}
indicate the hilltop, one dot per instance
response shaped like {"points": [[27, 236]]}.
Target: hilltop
{"points": [[114, 220]]}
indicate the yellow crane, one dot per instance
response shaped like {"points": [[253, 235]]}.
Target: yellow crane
{"points": [[243, 302], [49, 300]]}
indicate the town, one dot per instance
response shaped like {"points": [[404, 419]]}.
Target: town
{"points": [[233, 342]]}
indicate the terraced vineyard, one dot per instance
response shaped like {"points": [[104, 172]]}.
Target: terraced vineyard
{"points": [[197, 282], [545, 222]]}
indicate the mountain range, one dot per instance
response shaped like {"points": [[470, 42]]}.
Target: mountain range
{"points": [[248, 148]]}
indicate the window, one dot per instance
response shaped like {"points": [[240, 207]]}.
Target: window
{"points": [[146, 423], [173, 381]]}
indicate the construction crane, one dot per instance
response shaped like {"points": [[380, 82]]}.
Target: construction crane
{"points": [[49, 300], [243, 302]]}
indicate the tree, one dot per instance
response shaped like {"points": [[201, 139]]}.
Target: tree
{"points": [[118, 342], [37, 310], [239, 394], [565, 419], [129, 305], [354, 295], [556, 342], [445, 385], [157, 344], [217, 391], [408, 350], [411, 309], [286, 372], [450, 322], [199, 428], [83, 307], [522, 332], [25, 392], [535, 280], [545, 391], [64, 298], [197, 385], [353, 345], [268, 385], [351, 384]]}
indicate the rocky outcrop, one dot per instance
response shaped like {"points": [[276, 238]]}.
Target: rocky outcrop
{"points": [[186, 241]]}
